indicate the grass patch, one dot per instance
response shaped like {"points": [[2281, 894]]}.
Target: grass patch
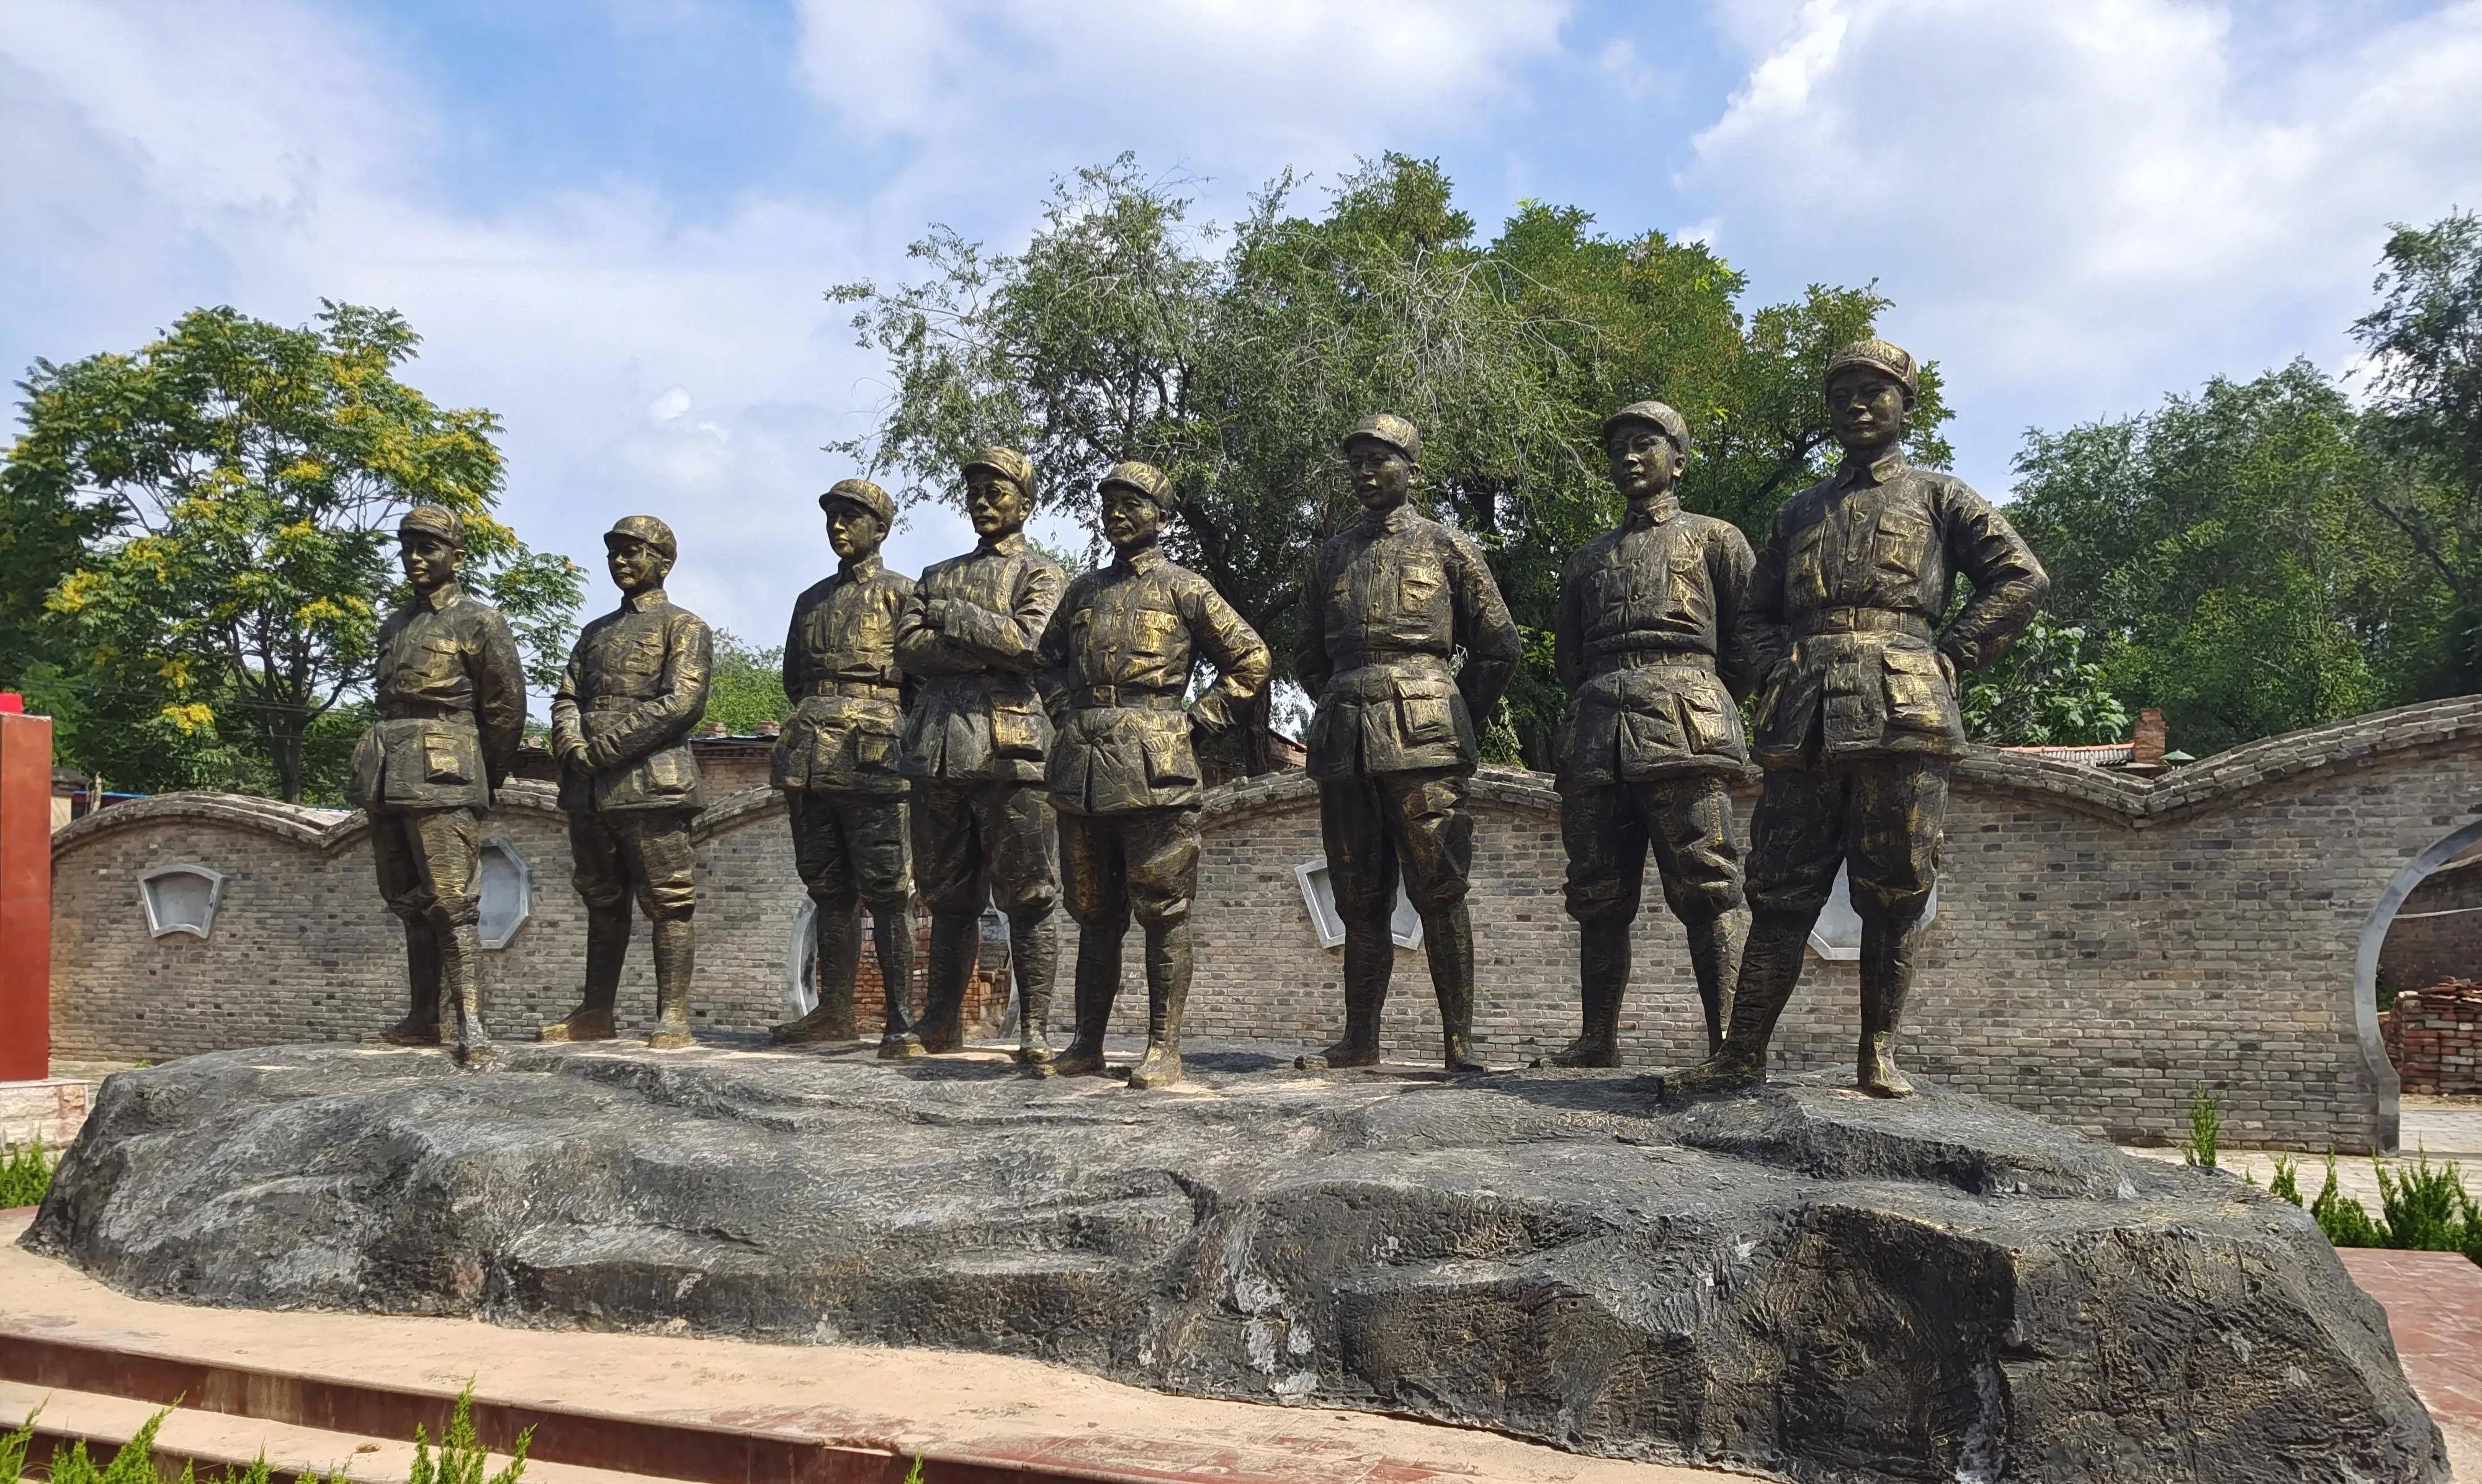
{"points": [[25, 1174], [2206, 1130], [460, 1459]]}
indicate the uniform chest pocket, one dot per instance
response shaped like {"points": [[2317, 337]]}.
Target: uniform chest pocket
{"points": [[1418, 585], [1685, 582], [1806, 568], [1903, 543]]}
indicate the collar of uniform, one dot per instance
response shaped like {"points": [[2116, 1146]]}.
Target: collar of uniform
{"points": [[1395, 518], [639, 602], [1005, 543], [858, 568], [1144, 559], [1653, 513], [1877, 471], [448, 594]]}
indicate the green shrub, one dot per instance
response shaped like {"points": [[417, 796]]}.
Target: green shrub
{"points": [[2425, 1208], [2205, 1129], [25, 1174], [2285, 1181], [460, 1459], [2345, 1220]]}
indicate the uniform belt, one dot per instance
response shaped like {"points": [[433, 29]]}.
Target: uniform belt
{"points": [[1649, 659], [1099, 696], [411, 710], [868, 690], [1411, 662], [1860, 620], [615, 702]]}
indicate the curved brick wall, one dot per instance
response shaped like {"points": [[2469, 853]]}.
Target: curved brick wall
{"points": [[2104, 945]]}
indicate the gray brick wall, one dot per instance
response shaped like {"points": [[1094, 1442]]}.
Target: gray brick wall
{"points": [[2104, 945]]}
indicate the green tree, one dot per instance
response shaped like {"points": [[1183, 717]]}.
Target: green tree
{"points": [[2044, 692], [1233, 358], [746, 686], [2425, 362], [216, 517], [2225, 550]]}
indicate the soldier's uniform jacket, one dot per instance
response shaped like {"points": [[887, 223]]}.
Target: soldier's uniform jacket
{"points": [[841, 672], [635, 689], [1852, 582], [1387, 602], [1650, 644], [452, 704], [977, 717], [1116, 661]]}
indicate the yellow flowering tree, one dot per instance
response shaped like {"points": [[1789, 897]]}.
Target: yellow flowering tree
{"points": [[220, 507]]}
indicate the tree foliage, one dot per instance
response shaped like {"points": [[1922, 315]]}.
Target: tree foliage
{"points": [[1234, 357], [2225, 550], [746, 686], [2044, 692], [210, 524]]}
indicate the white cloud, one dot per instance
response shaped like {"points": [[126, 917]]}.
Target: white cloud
{"points": [[1299, 79], [2079, 201]]}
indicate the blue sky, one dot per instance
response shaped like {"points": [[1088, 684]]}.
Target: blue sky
{"points": [[612, 218]]}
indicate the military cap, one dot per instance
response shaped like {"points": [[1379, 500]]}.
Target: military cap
{"points": [[1397, 433], [1007, 463], [1145, 479], [1654, 413], [1879, 356], [646, 528], [438, 520], [861, 493]]}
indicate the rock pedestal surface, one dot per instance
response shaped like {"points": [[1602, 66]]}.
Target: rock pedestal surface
{"points": [[1801, 1280]]}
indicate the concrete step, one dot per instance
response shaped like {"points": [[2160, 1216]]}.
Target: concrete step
{"points": [[664, 1407], [213, 1443]]}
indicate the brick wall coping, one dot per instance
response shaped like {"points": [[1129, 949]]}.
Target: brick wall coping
{"points": [[2453, 725]]}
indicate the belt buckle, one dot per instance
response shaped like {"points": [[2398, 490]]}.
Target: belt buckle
{"points": [[1103, 695]]}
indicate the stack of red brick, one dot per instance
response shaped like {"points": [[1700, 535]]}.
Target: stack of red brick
{"points": [[2435, 1037]]}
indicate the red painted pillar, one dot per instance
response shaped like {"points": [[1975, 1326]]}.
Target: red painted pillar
{"points": [[25, 897]]}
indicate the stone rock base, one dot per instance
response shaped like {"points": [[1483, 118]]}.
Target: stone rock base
{"points": [[1801, 1280]]}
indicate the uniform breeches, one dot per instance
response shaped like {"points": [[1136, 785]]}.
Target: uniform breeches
{"points": [[968, 838], [851, 847], [645, 852], [1686, 820], [1143, 861], [1884, 817], [429, 863], [1376, 826]]}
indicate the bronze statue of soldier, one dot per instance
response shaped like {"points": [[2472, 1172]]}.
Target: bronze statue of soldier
{"points": [[1857, 722], [836, 764], [1123, 773], [1388, 603], [620, 725], [974, 747], [450, 695], [1649, 644]]}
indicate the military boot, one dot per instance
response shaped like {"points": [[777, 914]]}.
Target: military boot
{"points": [[835, 957], [956, 942], [1034, 954], [421, 1024], [1099, 983], [1715, 958], [675, 965], [607, 948], [1771, 965], [1602, 978], [460, 986], [1887, 977], [1448, 942], [1369, 962], [891, 930], [1167, 966]]}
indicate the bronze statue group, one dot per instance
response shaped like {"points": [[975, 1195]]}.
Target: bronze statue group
{"points": [[996, 732]]}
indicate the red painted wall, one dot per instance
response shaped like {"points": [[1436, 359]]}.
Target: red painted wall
{"points": [[25, 897]]}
